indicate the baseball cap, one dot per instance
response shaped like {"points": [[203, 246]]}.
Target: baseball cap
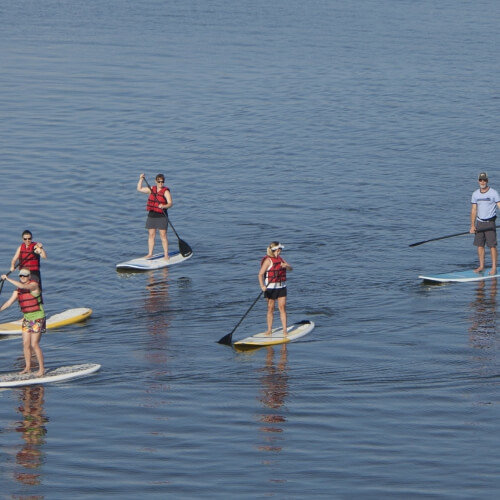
{"points": [[483, 176]]}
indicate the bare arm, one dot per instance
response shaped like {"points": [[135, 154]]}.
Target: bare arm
{"points": [[473, 214], [262, 272], [14, 259], [9, 301], [32, 287], [140, 188], [40, 250], [168, 197]]}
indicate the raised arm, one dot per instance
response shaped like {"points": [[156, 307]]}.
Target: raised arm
{"points": [[140, 187]]}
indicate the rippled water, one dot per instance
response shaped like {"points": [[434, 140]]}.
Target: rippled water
{"points": [[346, 131]]}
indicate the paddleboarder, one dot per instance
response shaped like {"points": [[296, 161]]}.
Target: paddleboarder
{"points": [[28, 255], [29, 296], [159, 201], [485, 201], [272, 280]]}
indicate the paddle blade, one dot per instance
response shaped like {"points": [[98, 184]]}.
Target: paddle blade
{"points": [[226, 340], [184, 248]]}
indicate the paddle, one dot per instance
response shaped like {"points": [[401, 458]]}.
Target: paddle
{"points": [[17, 265], [449, 236], [227, 339], [184, 248]]}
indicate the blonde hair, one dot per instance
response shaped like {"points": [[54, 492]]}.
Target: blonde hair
{"points": [[269, 252]]}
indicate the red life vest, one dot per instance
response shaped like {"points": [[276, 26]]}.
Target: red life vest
{"points": [[276, 273], [27, 302], [28, 258], [156, 198]]}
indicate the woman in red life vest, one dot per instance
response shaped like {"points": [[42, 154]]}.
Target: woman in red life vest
{"points": [[29, 296], [272, 280], [28, 255], [159, 201]]}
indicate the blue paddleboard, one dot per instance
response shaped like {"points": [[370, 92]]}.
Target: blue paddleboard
{"points": [[459, 276]]}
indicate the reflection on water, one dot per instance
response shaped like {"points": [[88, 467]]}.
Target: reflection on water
{"points": [[157, 306], [32, 427], [482, 331], [273, 396]]}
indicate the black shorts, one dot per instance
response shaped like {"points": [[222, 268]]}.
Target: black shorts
{"points": [[487, 235], [275, 293], [156, 220]]}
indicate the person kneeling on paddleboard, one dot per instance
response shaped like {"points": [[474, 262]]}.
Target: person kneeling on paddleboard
{"points": [[30, 301], [272, 280]]}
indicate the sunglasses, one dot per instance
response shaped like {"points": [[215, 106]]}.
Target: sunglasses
{"points": [[160, 182], [483, 180], [27, 239], [24, 275]]}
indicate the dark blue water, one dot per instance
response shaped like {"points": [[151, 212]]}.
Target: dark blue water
{"points": [[346, 130]]}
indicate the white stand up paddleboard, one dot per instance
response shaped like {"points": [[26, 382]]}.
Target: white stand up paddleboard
{"points": [[155, 262], [294, 332], [459, 276], [64, 318], [15, 379]]}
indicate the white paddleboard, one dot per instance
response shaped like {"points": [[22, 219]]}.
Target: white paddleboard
{"points": [[64, 318], [459, 276], [15, 379], [294, 332], [155, 262]]}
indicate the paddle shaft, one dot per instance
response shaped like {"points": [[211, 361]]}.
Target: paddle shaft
{"points": [[448, 236], [184, 248], [17, 265], [227, 339]]}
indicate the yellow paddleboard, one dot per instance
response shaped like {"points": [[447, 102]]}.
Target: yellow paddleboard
{"points": [[294, 332], [64, 318]]}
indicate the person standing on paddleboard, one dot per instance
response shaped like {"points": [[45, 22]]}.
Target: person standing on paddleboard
{"points": [[28, 255], [485, 201], [272, 280], [29, 296], [158, 202]]}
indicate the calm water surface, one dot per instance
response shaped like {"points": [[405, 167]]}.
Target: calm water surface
{"points": [[346, 130]]}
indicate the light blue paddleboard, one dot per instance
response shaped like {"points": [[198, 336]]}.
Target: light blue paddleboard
{"points": [[459, 276]]}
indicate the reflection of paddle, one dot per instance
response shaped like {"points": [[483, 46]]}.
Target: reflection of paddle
{"points": [[449, 236], [227, 339], [184, 248]]}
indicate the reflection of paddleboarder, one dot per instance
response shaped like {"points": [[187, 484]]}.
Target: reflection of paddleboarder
{"points": [[272, 280], [32, 426], [30, 301], [158, 202], [484, 201], [28, 254]]}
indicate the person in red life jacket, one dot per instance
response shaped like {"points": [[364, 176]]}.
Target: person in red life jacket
{"points": [[159, 201], [272, 280], [28, 255], [29, 296]]}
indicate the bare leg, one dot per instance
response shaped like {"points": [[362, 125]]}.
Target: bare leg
{"points": [[494, 257], [270, 314], [27, 352], [164, 242], [480, 254], [151, 242], [35, 345], [282, 309]]}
